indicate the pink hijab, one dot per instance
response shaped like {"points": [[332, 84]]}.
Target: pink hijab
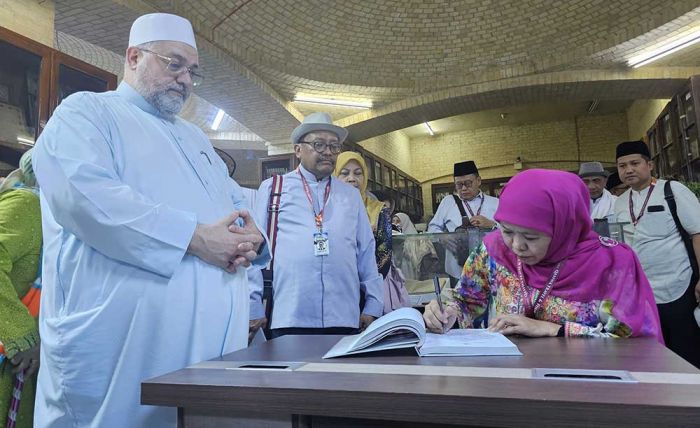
{"points": [[557, 203]]}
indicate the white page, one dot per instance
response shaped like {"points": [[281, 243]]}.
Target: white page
{"points": [[468, 342], [373, 338]]}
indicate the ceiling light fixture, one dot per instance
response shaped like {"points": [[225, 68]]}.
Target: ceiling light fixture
{"points": [[26, 141], [217, 120], [427, 125], [664, 50], [332, 101]]}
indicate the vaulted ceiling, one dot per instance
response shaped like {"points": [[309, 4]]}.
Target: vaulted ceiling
{"points": [[415, 60]]}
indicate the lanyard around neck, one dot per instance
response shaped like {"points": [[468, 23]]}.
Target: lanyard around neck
{"points": [[635, 219], [318, 217], [525, 295], [478, 211]]}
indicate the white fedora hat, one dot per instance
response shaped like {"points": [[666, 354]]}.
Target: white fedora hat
{"points": [[318, 122]]}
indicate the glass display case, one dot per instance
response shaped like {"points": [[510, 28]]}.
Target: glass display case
{"points": [[422, 256], [610, 230]]}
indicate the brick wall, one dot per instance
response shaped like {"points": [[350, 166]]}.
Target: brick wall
{"points": [[542, 145], [394, 147], [641, 115], [30, 18]]}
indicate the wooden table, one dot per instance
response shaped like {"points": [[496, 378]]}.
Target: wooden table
{"points": [[476, 391]]}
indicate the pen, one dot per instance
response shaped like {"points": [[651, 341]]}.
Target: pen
{"points": [[436, 282]]}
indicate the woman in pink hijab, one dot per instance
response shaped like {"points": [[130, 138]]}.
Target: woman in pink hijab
{"points": [[546, 273]]}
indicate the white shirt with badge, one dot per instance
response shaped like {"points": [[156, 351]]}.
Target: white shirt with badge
{"points": [[448, 217], [655, 238]]}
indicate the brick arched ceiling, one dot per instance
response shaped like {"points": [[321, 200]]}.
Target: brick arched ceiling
{"points": [[416, 60]]}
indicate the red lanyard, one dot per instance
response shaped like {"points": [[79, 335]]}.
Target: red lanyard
{"points": [[318, 218], [525, 295], [635, 219], [478, 212]]}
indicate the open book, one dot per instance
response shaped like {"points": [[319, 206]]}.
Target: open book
{"points": [[404, 328]]}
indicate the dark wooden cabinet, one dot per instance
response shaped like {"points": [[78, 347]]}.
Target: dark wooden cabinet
{"points": [[673, 139], [387, 178], [34, 78], [70, 75]]}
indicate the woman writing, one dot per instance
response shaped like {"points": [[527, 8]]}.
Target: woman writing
{"points": [[546, 273]]}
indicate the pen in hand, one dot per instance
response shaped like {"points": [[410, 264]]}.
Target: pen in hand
{"points": [[436, 282]]}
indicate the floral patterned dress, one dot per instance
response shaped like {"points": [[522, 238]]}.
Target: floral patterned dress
{"points": [[487, 289], [383, 241]]}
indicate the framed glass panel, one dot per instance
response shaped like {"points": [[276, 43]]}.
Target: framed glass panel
{"points": [[71, 81], [652, 143], [695, 171], [378, 172], [673, 157], [386, 176], [688, 109], [693, 147], [666, 126], [370, 167], [402, 185], [19, 95]]}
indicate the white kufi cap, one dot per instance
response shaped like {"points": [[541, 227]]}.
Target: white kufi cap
{"points": [[156, 27]]}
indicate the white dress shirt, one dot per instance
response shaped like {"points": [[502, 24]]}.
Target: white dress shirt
{"points": [[448, 218], [656, 240]]}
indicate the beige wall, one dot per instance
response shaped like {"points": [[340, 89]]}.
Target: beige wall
{"points": [[542, 145], [394, 147], [30, 18], [641, 116]]}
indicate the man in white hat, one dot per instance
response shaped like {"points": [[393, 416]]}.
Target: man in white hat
{"points": [[595, 177], [323, 259], [146, 240]]}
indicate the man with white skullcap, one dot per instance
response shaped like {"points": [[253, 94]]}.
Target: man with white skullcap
{"points": [[146, 240]]}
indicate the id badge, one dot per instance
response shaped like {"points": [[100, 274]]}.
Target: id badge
{"points": [[321, 244]]}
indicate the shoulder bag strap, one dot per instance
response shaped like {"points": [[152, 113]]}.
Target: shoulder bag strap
{"points": [[687, 240], [458, 201], [273, 210]]}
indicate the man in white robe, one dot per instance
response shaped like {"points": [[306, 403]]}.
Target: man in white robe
{"points": [[602, 201], [146, 240]]}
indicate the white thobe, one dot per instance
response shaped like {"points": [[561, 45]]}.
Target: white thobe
{"points": [[604, 206], [122, 301]]}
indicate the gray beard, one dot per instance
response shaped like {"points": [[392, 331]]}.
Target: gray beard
{"points": [[168, 105]]}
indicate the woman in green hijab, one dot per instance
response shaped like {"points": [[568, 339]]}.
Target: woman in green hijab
{"points": [[20, 250]]}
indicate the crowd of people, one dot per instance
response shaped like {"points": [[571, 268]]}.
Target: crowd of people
{"points": [[148, 267]]}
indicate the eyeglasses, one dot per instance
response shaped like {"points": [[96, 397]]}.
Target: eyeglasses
{"points": [[176, 68], [320, 146], [465, 184]]}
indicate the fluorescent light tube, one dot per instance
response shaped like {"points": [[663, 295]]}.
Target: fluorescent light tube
{"points": [[427, 125], [664, 50], [217, 120], [332, 101]]}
